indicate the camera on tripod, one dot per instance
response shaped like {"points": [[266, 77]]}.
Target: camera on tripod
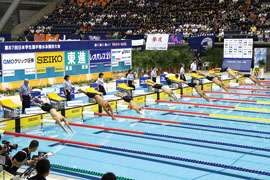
{"points": [[8, 146]]}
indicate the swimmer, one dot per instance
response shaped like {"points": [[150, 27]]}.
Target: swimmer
{"points": [[130, 100], [230, 71], [106, 106], [252, 78], [198, 90], [55, 115], [163, 88], [215, 80]]}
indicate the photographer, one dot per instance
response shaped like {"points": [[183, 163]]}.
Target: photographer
{"points": [[22, 158], [43, 170]]}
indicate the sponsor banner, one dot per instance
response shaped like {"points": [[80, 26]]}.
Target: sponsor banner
{"points": [[50, 59], [260, 54], [62, 94], [238, 54], [200, 43], [41, 70], [142, 81], [115, 64], [100, 56], [76, 58], [93, 66], [18, 61], [175, 39], [59, 69], [138, 42], [69, 37], [22, 47], [29, 71], [94, 37], [157, 41], [9, 73], [107, 64], [69, 113], [30, 121], [5, 37], [91, 108], [121, 54], [127, 63], [50, 37], [116, 44]]}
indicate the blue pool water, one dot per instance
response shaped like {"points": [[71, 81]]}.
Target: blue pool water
{"points": [[135, 165]]}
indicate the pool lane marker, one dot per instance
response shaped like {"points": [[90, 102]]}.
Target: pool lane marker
{"points": [[207, 114], [253, 85], [187, 124], [228, 99], [215, 106], [249, 89], [239, 94], [177, 158], [167, 136]]}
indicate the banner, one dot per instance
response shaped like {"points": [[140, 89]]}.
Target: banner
{"points": [[5, 37], [260, 54], [238, 54], [100, 56], [50, 37], [121, 54], [50, 59], [200, 43], [76, 58], [39, 37], [116, 44], [157, 41], [18, 61], [175, 39], [69, 37], [94, 37]]}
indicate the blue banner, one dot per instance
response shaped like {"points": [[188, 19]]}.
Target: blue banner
{"points": [[237, 64], [94, 37], [94, 85], [142, 81], [175, 39], [62, 94], [100, 56], [5, 37], [21, 47], [162, 79], [201, 42]]}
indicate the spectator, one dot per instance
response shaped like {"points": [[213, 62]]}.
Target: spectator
{"points": [[43, 170], [108, 176]]}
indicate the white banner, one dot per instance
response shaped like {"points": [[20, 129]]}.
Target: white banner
{"points": [[157, 41], [29, 71], [18, 61], [138, 42], [115, 64], [9, 73], [121, 54]]}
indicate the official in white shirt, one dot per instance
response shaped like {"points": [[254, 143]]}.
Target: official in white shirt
{"points": [[67, 87], [193, 66], [154, 74], [182, 72], [130, 79], [100, 84]]}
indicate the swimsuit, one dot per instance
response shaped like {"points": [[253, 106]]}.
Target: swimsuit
{"points": [[91, 95], [210, 78], [157, 86], [47, 107], [192, 84], [127, 98]]}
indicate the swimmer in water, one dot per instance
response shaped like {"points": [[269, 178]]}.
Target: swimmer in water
{"points": [[106, 106], [55, 115], [130, 100]]}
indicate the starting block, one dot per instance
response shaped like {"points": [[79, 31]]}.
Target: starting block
{"points": [[195, 78], [92, 90], [56, 101], [125, 89], [215, 74], [10, 108], [176, 83]]}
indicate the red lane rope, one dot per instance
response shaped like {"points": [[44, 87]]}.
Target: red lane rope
{"points": [[139, 118], [196, 104], [220, 99], [253, 85], [169, 110], [245, 94], [52, 139], [264, 81], [248, 89], [105, 128]]}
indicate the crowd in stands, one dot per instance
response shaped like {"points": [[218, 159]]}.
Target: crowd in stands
{"points": [[246, 18]]}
